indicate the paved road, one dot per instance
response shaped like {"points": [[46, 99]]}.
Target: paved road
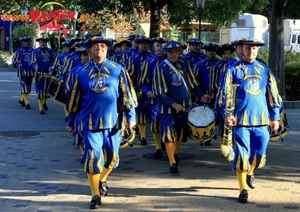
{"points": [[42, 172]]}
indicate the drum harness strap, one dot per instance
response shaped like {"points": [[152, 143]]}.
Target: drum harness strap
{"points": [[181, 77]]}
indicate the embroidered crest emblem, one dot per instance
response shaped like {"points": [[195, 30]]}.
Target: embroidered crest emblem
{"points": [[175, 78], [99, 84], [253, 84]]}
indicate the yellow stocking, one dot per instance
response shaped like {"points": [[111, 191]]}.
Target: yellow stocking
{"points": [[81, 149], [105, 173], [177, 146], [242, 176], [25, 97], [44, 101], [156, 137], [22, 98], [142, 129], [40, 102], [170, 151], [94, 183]]}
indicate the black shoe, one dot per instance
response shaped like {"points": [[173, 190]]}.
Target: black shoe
{"points": [[158, 153], [243, 197], [28, 106], [143, 142], [95, 202], [45, 106], [22, 103], [176, 159], [251, 181], [174, 169], [66, 118], [42, 112], [103, 189], [163, 146], [207, 143]]}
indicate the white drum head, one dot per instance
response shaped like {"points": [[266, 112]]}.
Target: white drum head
{"points": [[201, 116]]}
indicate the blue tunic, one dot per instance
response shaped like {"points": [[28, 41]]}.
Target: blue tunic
{"points": [[169, 88], [101, 93], [193, 59], [21, 60], [146, 76], [42, 59], [257, 96]]}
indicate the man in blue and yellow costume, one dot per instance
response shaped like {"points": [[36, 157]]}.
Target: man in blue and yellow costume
{"points": [[71, 60], [78, 138], [194, 55], [216, 78], [21, 60], [172, 81], [42, 59], [133, 67], [203, 71], [256, 105], [102, 94], [145, 83], [59, 63], [131, 51], [124, 46]]}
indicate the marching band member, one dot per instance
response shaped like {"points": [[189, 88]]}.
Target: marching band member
{"points": [[194, 55], [133, 67], [172, 80], [78, 138], [72, 60], [216, 78], [124, 46], [131, 51], [101, 93], [41, 60], [145, 82], [203, 70], [111, 52], [256, 106], [21, 60], [58, 65]]}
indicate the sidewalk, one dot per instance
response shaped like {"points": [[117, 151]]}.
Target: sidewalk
{"points": [[42, 172]]}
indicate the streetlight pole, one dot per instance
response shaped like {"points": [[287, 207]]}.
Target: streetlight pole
{"points": [[74, 27], [200, 6]]}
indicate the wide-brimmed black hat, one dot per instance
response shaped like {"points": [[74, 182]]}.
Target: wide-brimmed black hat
{"points": [[42, 39], [227, 46]]}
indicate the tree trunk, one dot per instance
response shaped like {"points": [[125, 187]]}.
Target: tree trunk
{"points": [[154, 20], [276, 43]]}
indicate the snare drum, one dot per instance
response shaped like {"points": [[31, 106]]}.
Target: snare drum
{"points": [[51, 85], [61, 97], [283, 128], [201, 122]]}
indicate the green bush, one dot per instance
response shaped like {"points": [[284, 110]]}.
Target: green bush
{"points": [[292, 72], [264, 55], [3, 63], [24, 30], [292, 76]]}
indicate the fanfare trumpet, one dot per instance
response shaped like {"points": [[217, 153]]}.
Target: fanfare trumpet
{"points": [[227, 142]]}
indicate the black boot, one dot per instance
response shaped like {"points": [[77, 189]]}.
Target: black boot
{"points": [[95, 202], [243, 197]]}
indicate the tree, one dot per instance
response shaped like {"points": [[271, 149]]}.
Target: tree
{"points": [[279, 10]]}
